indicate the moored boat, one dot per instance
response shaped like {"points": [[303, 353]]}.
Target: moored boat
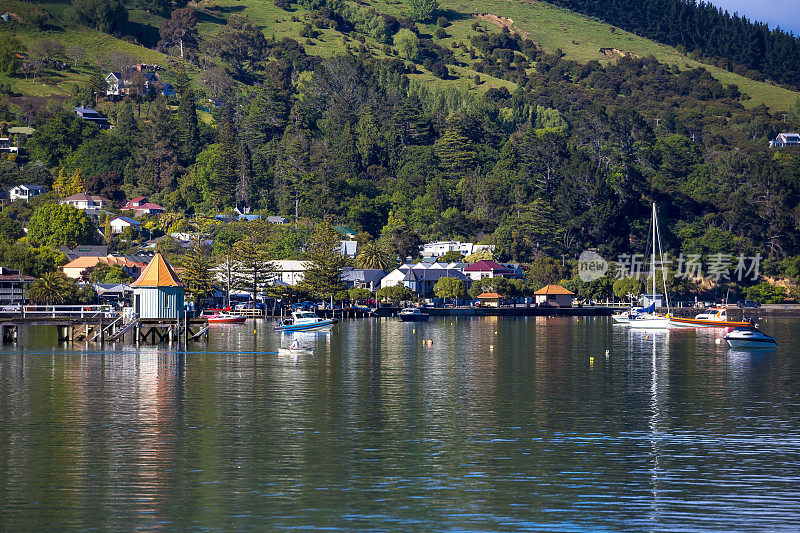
{"points": [[306, 321], [714, 317], [413, 314], [750, 338], [226, 318]]}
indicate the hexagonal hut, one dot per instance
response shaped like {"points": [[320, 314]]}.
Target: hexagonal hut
{"points": [[158, 293]]}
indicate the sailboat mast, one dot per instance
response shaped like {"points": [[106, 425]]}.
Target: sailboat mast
{"points": [[653, 260]]}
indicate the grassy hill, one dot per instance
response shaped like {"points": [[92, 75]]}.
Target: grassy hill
{"points": [[579, 37]]}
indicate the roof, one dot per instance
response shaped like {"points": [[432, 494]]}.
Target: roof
{"points": [[344, 230], [158, 273], [554, 289], [148, 205], [32, 187], [21, 130], [129, 220], [138, 199], [92, 260], [249, 218], [367, 275], [83, 196], [431, 274], [489, 295], [273, 219], [486, 265]]}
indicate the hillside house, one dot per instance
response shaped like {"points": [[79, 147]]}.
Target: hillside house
{"points": [[289, 272], [140, 206], [488, 269], [25, 192], [785, 139], [90, 115], [8, 146], [86, 201], [278, 221], [120, 83], [421, 277], [440, 248], [363, 278], [118, 224], [74, 268], [13, 285]]}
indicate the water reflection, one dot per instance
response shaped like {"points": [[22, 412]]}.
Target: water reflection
{"points": [[458, 423]]}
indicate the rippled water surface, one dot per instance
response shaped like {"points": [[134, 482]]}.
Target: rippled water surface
{"points": [[499, 424]]}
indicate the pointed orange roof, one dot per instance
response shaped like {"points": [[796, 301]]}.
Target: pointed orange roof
{"points": [[158, 273], [554, 289]]}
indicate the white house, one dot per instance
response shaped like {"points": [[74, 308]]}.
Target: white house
{"points": [[488, 269], [86, 201], [25, 192], [140, 206], [118, 224], [785, 139], [349, 249], [277, 220], [440, 248], [289, 271], [8, 146]]}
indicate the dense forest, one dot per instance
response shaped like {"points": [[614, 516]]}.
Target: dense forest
{"points": [[747, 47], [568, 160]]}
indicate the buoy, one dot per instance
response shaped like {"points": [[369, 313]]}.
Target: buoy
{"points": [[413, 331], [491, 347], [591, 361], [647, 336], [718, 340], [495, 333], [606, 354]]}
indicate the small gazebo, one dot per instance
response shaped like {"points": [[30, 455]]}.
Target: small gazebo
{"points": [[158, 293]]}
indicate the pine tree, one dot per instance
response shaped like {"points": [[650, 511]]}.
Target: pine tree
{"points": [[323, 277], [253, 271], [197, 274], [186, 117], [107, 230], [225, 178]]}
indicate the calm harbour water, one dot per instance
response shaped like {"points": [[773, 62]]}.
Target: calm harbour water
{"points": [[501, 424]]}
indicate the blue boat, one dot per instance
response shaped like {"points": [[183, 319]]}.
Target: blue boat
{"points": [[306, 321]]}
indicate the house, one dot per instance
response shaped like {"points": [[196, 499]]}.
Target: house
{"points": [[90, 115], [86, 201], [349, 249], [87, 250], [25, 192], [8, 146], [140, 206], [13, 284], [421, 277], [486, 268], [118, 224], [440, 248], [248, 218], [74, 268], [280, 221], [489, 299], [290, 272], [785, 139], [364, 278], [158, 292], [553, 296], [649, 299], [119, 83]]}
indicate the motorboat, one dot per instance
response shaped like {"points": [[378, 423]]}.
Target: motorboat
{"points": [[714, 317], [306, 321], [413, 314], [751, 338], [225, 318]]}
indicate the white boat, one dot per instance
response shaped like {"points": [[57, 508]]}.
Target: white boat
{"points": [[750, 338], [413, 314], [306, 321], [714, 317], [626, 317], [649, 319]]}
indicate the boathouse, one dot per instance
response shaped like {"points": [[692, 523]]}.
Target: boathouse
{"points": [[553, 296], [158, 293]]}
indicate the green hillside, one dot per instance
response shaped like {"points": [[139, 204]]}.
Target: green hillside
{"points": [[550, 27]]}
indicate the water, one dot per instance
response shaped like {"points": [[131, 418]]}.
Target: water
{"points": [[498, 425]]}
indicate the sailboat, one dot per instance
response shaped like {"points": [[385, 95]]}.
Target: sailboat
{"points": [[651, 320]]}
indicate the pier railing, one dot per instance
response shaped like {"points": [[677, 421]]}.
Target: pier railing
{"points": [[59, 311]]}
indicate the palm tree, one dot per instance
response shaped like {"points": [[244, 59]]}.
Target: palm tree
{"points": [[373, 255], [52, 288]]}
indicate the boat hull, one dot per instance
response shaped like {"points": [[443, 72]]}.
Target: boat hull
{"points": [[753, 344], [227, 320], [414, 318], [324, 325], [695, 323], [650, 323]]}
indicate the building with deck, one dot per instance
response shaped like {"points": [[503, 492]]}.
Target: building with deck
{"points": [[158, 293]]}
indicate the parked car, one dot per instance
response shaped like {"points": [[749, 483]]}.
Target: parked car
{"points": [[748, 303]]}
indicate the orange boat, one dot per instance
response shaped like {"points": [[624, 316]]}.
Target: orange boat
{"points": [[715, 317]]}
